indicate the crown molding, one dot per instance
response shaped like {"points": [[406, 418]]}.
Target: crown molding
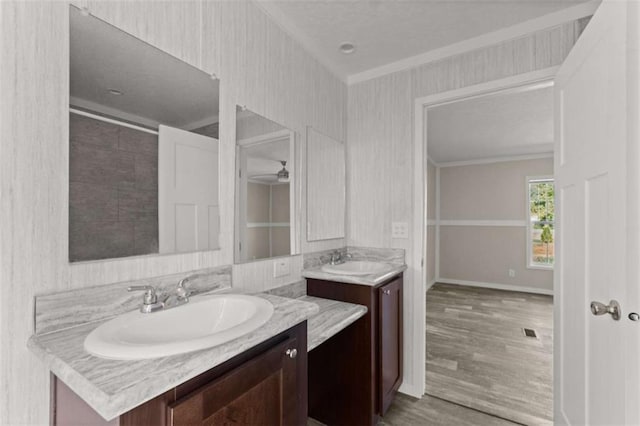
{"points": [[109, 112], [495, 160], [518, 30], [560, 17]]}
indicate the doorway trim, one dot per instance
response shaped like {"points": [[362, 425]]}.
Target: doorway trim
{"points": [[419, 248]]}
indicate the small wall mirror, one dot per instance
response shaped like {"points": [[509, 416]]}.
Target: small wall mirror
{"points": [[143, 130], [265, 188], [326, 183]]}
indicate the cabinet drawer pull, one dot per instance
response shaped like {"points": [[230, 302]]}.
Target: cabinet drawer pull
{"points": [[292, 353], [387, 292]]}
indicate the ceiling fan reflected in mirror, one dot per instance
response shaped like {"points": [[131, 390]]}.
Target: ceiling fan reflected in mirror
{"points": [[282, 176]]}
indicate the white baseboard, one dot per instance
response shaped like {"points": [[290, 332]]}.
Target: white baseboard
{"points": [[496, 286], [411, 390], [430, 284]]}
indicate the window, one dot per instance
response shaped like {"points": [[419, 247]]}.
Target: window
{"points": [[540, 232]]}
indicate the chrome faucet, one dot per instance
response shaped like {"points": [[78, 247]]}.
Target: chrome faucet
{"points": [[336, 258], [181, 291], [181, 295], [150, 298]]}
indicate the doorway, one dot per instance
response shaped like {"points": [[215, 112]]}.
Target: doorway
{"points": [[489, 238]]}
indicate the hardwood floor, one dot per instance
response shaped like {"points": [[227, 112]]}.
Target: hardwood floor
{"points": [[478, 355], [407, 411], [430, 411]]}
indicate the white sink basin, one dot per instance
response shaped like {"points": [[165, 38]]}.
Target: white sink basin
{"points": [[198, 324], [356, 267]]}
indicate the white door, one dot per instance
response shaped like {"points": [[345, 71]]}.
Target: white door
{"points": [[188, 212], [596, 167]]}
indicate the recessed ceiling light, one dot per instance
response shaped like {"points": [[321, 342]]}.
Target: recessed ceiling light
{"points": [[347, 48], [115, 92]]}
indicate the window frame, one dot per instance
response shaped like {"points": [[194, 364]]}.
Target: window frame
{"points": [[530, 264]]}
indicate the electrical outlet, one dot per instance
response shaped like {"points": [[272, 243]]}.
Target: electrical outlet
{"points": [[399, 230], [281, 267], [512, 273]]}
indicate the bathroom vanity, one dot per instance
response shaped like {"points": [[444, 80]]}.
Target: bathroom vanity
{"points": [[257, 378], [266, 384], [353, 377], [230, 380]]}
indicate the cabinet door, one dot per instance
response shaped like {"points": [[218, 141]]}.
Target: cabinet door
{"points": [[389, 342], [261, 391]]}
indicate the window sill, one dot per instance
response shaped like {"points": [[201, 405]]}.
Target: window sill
{"points": [[540, 267]]}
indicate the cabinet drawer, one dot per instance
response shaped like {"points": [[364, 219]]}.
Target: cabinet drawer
{"points": [[259, 392]]}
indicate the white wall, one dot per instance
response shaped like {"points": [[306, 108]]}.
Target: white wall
{"points": [[380, 144], [259, 66], [472, 251]]}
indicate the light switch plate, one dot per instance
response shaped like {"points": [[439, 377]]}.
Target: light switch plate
{"points": [[281, 267], [399, 230]]}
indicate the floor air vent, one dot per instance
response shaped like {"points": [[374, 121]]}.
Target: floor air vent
{"points": [[529, 332]]}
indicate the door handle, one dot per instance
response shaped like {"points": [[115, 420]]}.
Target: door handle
{"points": [[612, 308]]}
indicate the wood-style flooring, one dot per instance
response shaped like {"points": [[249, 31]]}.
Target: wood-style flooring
{"points": [[407, 411], [479, 357]]}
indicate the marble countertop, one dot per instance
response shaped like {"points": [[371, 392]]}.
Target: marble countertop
{"points": [[113, 387], [370, 280], [334, 316]]}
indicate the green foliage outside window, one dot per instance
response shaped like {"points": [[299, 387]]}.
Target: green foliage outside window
{"points": [[542, 216]]}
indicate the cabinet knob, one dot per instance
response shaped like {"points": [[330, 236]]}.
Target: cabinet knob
{"points": [[292, 353], [387, 292]]}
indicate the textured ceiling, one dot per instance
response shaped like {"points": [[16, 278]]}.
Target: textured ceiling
{"points": [[390, 30], [498, 125], [156, 86]]}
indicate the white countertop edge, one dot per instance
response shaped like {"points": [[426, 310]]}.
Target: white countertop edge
{"points": [[369, 280], [317, 337], [111, 406]]}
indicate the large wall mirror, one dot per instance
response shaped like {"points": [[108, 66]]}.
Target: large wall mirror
{"points": [[265, 188], [143, 140], [326, 183]]}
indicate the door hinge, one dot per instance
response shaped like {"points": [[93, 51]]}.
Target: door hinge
{"points": [[239, 173], [422, 262]]}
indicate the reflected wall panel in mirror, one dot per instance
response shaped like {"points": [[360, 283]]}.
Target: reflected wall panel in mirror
{"points": [[143, 142], [326, 182], [265, 188]]}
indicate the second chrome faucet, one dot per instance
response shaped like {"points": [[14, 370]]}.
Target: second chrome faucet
{"points": [[150, 301]]}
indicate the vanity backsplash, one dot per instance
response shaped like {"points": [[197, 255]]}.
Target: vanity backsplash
{"points": [[386, 255], [62, 310]]}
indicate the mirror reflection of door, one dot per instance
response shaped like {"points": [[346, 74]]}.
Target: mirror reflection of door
{"points": [[121, 92], [265, 173], [188, 211]]}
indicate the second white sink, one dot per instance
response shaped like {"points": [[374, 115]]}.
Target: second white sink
{"points": [[197, 325], [356, 267]]}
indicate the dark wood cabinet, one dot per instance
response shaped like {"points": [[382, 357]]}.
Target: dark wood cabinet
{"points": [[252, 394], [354, 376], [266, 385], [389, 342]]}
